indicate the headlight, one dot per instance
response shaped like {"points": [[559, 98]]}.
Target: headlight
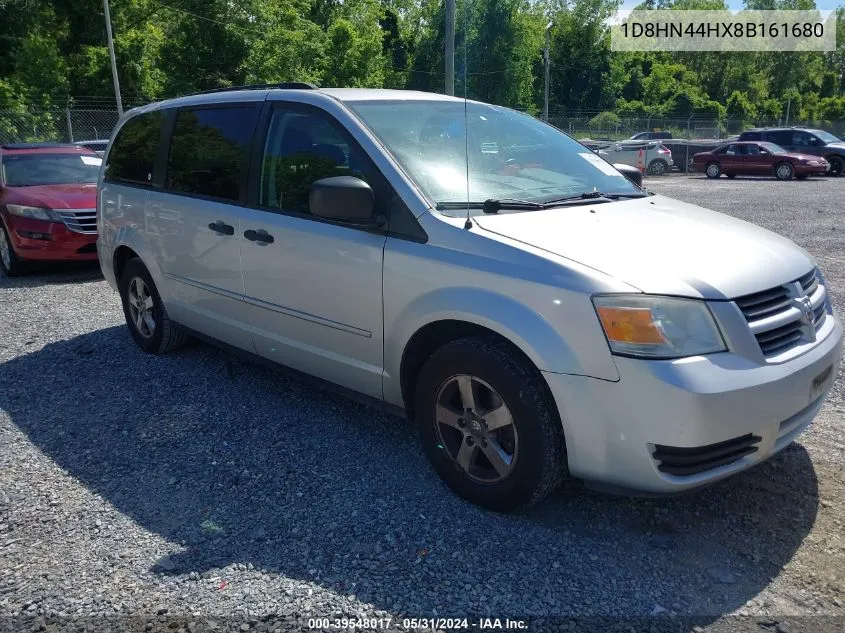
{"points": [[658, 327], [35, 213]]}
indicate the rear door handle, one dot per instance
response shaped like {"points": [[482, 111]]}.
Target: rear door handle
{"points": [[261, 236], [222, 228]]}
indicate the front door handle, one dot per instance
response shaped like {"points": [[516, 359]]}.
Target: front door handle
{"points": [[222, 228], [261, 236]]}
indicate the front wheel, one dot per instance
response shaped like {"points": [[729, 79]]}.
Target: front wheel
{"points": [[489, 425], [837, 165], [9, 261], [784, 171], [713, 170], [145, 314]]}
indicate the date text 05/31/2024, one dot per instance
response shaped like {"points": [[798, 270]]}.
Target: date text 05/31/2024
{"points": [[418, 624]]}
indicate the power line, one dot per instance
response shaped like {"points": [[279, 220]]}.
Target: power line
{"points": [[207, 19]]}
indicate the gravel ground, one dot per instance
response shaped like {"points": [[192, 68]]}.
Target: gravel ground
{"points": [[199, 492]]}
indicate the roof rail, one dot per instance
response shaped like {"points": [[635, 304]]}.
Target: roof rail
{"points": [[286, 85]]}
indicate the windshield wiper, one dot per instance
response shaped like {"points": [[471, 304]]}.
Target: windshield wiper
{"points": [[591, 196], [491, 205], [494, 205]]}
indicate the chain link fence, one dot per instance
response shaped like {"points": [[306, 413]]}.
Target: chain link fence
{"points": [[609, 125], [82, 123], [67, 125]]}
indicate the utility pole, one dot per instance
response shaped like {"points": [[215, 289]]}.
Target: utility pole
{"points": [[788, 103], [450, 47], [546, 85], [113, 62]]}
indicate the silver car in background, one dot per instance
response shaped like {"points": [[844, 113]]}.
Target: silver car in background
{"points": [[651, 156], [535, 313]]}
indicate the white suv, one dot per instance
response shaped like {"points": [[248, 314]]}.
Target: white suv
{"points": [[538, 315]]}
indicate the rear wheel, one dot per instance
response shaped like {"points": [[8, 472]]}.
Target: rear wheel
{"points": [[837, 165], [9, 261], [784, 171], [145, 314], [657, 167], [713, 170], [489, 425]]}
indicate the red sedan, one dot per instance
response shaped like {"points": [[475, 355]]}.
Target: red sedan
{"points": [[758, 159], [48, 202]]}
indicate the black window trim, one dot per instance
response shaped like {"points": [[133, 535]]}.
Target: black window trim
{"points": [[134, 183], [160, 176], [254, 185]]}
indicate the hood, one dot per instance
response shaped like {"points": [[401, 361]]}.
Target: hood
{"points": [[661, 246], [796, 156], [69, 196]]}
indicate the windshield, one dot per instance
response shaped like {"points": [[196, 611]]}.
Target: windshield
{"points": [[26, 170], [827, 137], [492, 153], [773, 148]]}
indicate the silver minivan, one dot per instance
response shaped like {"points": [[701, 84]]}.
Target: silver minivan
{"points": [[538, 315]]}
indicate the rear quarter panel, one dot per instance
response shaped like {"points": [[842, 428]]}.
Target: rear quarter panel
{"points": [[121, 221]]}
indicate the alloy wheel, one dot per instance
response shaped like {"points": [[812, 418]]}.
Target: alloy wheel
{"points": [[784, 172], [141, 306], [476, 428], [837, 165], [712, 170], [658, 168]]}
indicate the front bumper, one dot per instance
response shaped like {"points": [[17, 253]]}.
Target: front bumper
{"points": [[55, 242], [613, 429], [820, 169]]}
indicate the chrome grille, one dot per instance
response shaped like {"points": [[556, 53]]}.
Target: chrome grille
{"points": [[785, 316], [79, 220]]}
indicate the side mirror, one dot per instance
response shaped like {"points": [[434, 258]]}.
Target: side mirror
{"points": [[344, 199], [631, 173]]}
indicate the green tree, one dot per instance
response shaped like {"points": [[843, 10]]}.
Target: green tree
{"points": [[740, 112], [605, 122]]}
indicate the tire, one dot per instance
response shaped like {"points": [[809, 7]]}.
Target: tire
{"points": [[784, 171], [801, 176], [532, 439], [713, 170], [157, 334], [837, 165], [657, 167], [9, 262], [731, 175]]}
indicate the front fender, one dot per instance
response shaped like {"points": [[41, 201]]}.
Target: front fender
{"points": [[530, 331]]}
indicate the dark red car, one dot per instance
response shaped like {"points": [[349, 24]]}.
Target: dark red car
{"points": [[748, 158], [48, 204]]}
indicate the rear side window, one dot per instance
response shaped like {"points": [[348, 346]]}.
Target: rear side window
{"points": [[134, 150], [780, 137], [209, 151]]}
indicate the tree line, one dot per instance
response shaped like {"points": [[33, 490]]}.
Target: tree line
{"points": [[53, 51]]}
